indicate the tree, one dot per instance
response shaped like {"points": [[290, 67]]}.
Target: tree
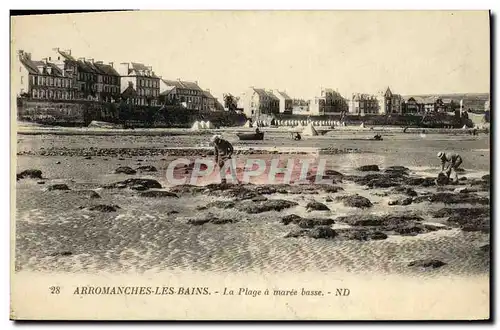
{"points": [[230, 102]]}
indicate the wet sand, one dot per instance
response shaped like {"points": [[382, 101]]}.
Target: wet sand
{"points": [[55, 230]]}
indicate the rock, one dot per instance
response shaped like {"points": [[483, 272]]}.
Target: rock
{"points": [[58, 186], [147, 168], [138, 187], [103, 208], [409, 230], [259, 199], [362, 234], [88, 157], [316, 232], [61, 254], [87, 193], [404, 190], [291, 218], [477, 223], [442, 179], [125, 170], [450, 198], [464, 190], [30, 174], [389, 220], [486, 177], [331, 188], [368, 168], [322, 232], [378, 235], [485, 248], [354, 201], [464, 212], [158, 194], [297, 233], [328, 199], [427, 263], [269, 205], [40, 182], [316, 206], [209, 218], [148, 183], [172, 212], [463, 178], [402, 202], [333, 173], [58, 163], [221, 204], [402, 170], [186, 188], [424, 182]]}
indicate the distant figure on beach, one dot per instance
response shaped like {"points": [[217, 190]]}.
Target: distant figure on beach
{"points": [[297, 136], [378, 137], [449, 162], [223, 151], [257, 130]]}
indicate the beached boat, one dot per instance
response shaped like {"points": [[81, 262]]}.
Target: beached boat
{"points": [[251, 136]]}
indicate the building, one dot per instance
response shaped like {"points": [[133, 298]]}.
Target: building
{"points": [[143, 80], [185, 93], [41, 79], [413, 105], [363, 104], [208, 101], [389, 103], [286, 102], [329, 102], [257, 102], [94, 80]]}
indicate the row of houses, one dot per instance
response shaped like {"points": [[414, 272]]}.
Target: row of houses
{"points": [[62, 76], [257, 102]]}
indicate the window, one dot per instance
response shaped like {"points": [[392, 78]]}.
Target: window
{"points": [[22, 80], [35, 93]]}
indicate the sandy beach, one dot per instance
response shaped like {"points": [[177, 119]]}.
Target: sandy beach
{"points": [[96, 225]]}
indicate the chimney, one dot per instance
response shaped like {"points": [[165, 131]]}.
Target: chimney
{"points": [[196, 82], [91, 60], [111, 63], [81, 59], [20, 52], [50, 59], [45, 60], [28, 56], [98, 62]]}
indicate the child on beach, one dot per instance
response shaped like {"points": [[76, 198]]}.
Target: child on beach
{"points": [[453, 160]]}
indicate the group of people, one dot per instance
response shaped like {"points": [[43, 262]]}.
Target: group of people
{"points": [[224, 150]]}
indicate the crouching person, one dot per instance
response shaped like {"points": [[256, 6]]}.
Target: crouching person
{"points": [[450, 163], [223, 152]]}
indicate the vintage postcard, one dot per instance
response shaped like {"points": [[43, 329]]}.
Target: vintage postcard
{"points": [[250, 165]]}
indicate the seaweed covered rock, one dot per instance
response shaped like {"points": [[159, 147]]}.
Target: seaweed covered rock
{"points": [[147, 168], [427, 263], [29, 174], [57, 186], [354, 201], [368, 168], [125, 170], [158, 194], [265, 206], [451, 198], [148, 183], [316, 206]]}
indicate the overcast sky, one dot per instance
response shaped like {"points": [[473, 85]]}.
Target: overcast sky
{"points": [[226, 51]]}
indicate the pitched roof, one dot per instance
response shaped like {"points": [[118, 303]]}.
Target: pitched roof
{"points": [[261, 92], [40, 67], [272, 96], [207, 94], [106, 69], [140, 69], [284, 95], [67, 56], [182, 84]]}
